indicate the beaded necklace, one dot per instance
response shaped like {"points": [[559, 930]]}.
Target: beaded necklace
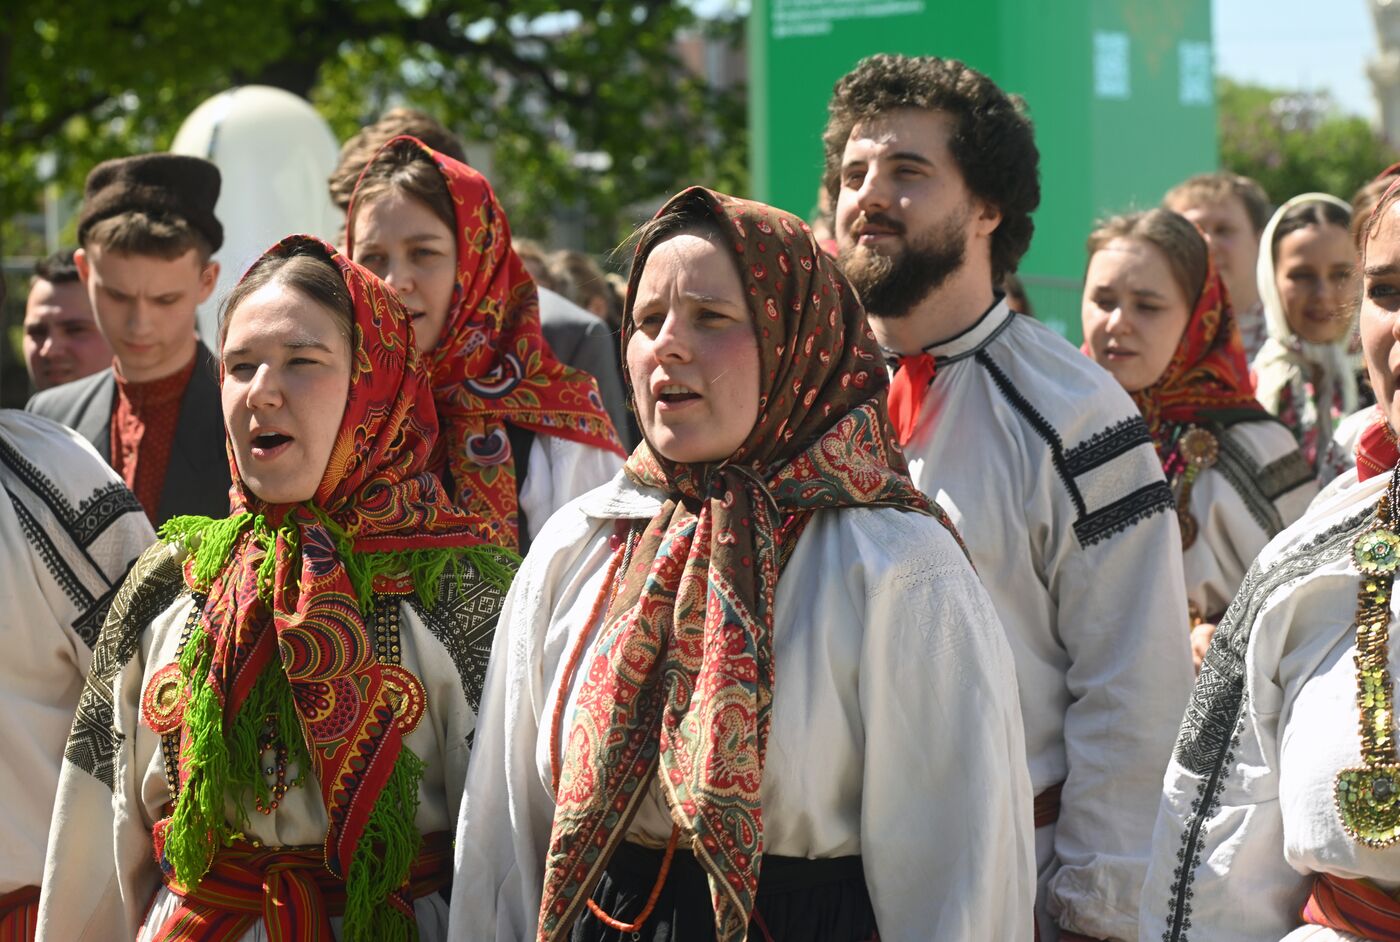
{"points": [[1368, 796]]}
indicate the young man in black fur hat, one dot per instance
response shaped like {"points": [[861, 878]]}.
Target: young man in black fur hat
{"points": [[147, 230]]}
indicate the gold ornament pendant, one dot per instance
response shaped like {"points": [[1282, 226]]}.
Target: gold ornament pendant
{"points": [[1368, 796], [1368, 801], [1199, 449]]}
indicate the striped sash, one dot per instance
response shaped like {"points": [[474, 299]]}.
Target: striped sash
{"points": [[289, 891], [19, 915], [1356, 906]]}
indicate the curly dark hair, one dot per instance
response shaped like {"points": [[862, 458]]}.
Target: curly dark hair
{"points": [[994, 143]]}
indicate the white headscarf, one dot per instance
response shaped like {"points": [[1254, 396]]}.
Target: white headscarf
{"points": [[1287, 361]]}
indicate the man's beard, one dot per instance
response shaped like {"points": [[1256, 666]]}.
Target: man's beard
{"points": [[893, 285]]}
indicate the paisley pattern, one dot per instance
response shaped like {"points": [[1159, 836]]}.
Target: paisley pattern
{"points": [[492, 364], [680, 682], [378, 495], [1207, 373]]}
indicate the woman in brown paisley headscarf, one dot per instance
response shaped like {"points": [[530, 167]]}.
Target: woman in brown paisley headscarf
{"points": [[753, 683]]}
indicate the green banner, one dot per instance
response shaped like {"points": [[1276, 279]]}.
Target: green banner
{"points": [[1121, 94]]}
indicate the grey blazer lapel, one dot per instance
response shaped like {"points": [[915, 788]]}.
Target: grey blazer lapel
{"points": [[95, 424], [197, 478]]}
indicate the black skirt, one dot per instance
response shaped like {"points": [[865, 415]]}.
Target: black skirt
{"points": [[799, 900]]}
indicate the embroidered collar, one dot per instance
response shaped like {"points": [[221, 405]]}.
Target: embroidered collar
{"points": [[964, 344], [156, 392]]}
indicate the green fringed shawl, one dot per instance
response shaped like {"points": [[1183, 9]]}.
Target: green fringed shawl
{"points": [[224, 764]]}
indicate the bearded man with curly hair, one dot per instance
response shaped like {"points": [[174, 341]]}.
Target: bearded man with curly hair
{"points": [[1037, 453]]}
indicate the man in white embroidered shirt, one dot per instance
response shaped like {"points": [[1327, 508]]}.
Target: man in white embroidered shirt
{"points": [[1040, 457]]}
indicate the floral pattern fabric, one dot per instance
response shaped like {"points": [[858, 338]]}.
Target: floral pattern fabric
{"points": [[299, 609]]}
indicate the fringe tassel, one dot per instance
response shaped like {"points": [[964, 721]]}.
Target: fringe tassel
{"points": [[226, 763], [495, 564], [383, 858], [197, 826]]}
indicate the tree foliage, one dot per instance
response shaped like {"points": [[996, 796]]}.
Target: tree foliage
{"points": [[1297, 143], [540, 81]]}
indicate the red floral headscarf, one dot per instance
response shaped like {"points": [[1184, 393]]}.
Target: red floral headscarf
{"points": [[492, 365], [284, 626], [1207, 374], [679, 684]]}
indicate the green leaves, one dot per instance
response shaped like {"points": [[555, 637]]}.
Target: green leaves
{"points": [[587, 110], [1296, 143]]}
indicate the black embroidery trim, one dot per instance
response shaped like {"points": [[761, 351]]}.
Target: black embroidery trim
{"points": [[941, 362], [464, 620], [1102, 447], [1243, 473], [1214, 719], [155, 582], [82, 526], [49, 554], [91, 517], [1097, 450], [1037, 422], [89, 624], [1279, 477], [170, 742], [1118, 516]]}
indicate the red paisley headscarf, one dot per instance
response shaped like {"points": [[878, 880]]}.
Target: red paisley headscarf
{"points": [[286, 586], [679, 684], [492, 365], [1207, 374]]}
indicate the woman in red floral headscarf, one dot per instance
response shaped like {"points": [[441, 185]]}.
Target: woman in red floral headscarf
{"points": [[1157, 317], [275, 731], [751, 688], [522, 433]]}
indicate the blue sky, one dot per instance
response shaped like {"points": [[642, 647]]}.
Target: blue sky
{"points": [[1299, 44]]}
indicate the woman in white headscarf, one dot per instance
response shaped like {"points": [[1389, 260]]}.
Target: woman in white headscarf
{"points": [[1304, 373]]}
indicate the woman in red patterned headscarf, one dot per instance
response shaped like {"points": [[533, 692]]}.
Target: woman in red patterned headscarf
{"points": [[1156, 316], [277, 722], [733, 679], [522, 433]]}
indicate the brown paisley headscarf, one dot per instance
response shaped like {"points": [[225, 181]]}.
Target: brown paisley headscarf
{"points": [[681, 678]]}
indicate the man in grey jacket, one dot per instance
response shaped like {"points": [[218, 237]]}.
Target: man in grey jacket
{"points": [[147, 230]]}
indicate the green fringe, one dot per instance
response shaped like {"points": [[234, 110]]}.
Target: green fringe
{"points": [[197, 826], [271, 697], [495, 564], [383, 858], [212, 541], [225, 763]]}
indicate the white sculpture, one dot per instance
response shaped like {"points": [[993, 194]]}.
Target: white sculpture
{"points": [[1384, 70], [274, 152]]}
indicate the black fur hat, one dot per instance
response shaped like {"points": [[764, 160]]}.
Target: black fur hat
{"points": [[160, 185]]}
